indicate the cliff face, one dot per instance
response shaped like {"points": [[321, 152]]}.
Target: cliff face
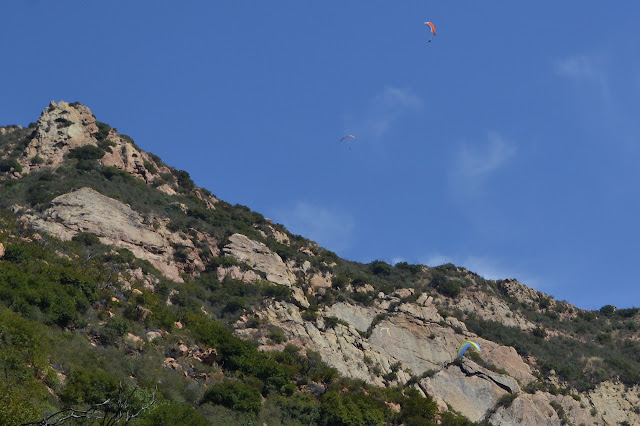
{"points": [[393, 337]]}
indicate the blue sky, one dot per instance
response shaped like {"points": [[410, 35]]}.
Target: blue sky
{"points": [[508, 145]]}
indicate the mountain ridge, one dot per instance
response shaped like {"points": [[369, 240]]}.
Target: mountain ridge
{"points": [[387, 325]]}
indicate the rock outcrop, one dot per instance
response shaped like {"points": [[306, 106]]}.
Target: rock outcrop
{"points": [[86, 210], [257, 255], [60, 128]]}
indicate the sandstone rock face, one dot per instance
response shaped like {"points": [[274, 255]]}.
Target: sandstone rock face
{"points": [[492, 309], [411, 338], [415, 339], [258, 256], [86, 210], [125, 156], [616, 403], [61, 127], [236, 273], [538, 409], [472, 396], [358, 316]]}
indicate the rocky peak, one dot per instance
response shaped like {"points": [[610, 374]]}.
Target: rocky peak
{"points": [[60, 128]]}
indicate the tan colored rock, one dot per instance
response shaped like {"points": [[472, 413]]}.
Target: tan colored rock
{"points": [[172, 363], [258, 256], [60, 128], [472, 396], [133, 341], [358, 316], [181, 348], [527, 410], [616, 403], [167, 189], [153, 335], [1, 250], [319, 280], [506, 358], [236, 273], [86, 210], [490, 308], [298, 295], [401, 293]]}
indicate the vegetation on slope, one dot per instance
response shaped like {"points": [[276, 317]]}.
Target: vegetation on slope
{"points": [[71, 314]]}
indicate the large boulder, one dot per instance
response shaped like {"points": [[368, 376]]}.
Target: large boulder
{"points": [[258, 256], [86, 210]]}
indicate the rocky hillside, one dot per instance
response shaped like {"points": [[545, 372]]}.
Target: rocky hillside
{"points": [[118, 274]]}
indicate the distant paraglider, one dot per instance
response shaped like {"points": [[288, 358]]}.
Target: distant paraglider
{"points": [[465, 345], [353, 138], [432, 28]]}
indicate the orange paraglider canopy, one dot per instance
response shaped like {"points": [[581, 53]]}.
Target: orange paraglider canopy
{"points": [[433, 28]]}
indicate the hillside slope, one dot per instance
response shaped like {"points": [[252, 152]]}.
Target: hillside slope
{"points": [[118, 274]]}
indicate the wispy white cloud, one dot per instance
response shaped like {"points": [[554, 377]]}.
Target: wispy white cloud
{"points": [[587, 70], [474, 163], [382, 112], [331, 227]]}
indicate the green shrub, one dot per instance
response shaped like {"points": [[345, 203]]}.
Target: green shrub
{"points": [[103, 131], [184, 181], [172, 413], [352, 408], [607, 309], [417, 409], [86, 239], [7, 164], [235, 395], [90, 385], [379, 267], [449, 288], [86, 152]]}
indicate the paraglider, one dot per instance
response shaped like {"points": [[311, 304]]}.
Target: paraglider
{"points": [[348, 137], [432, 28], [465, 345]]}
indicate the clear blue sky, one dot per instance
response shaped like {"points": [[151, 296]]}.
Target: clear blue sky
{"points": [[508, 145]]}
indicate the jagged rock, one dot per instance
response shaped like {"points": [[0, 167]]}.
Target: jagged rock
{"points": [[86, 210], [527, 410], [153, 335], [236, 273], [298, 296], [318, 280], [427, 312], [258, 256], [358, 316], [616, 403], [473, 396], [61, 127], [402, 293], [413, 337], [507, 383], [124, 156], [172, 363], [167, 189], [490, 308], [506, 358]]}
